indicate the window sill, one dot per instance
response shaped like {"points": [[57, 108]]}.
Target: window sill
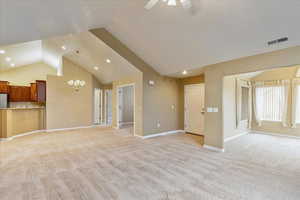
{"points": [[271, 121]]}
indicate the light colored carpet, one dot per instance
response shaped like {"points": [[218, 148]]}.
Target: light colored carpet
{"points": [[95, 164]]}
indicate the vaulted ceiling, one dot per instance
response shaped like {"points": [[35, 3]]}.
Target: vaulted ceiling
{"points": [[168, 38], [84, 49]]}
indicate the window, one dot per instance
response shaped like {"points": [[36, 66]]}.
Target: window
{"points": [[298, 104], [270, 102]]}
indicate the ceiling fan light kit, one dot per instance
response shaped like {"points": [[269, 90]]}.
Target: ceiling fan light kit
{"points": [[185, 3]]}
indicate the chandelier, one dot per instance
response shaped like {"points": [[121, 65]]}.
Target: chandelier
{"points": [[76, 84]]}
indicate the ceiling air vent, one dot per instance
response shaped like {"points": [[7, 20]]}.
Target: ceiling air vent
{"points": [[284, 39]]}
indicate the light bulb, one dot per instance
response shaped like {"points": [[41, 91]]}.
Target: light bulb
{"points": [[71, 82], [82, 83]]}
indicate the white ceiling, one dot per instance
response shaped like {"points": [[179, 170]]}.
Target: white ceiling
{"points": [[83, 49], [21, 54], [88, 51], [168, 38]]}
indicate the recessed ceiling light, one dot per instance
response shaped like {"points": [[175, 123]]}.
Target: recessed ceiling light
{"points": [[8, 59], [63, 47], [96, 68], [12, 65], [2, 51], [108, 61], [184, 72]]}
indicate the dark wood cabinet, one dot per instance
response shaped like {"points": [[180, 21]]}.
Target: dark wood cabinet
{"points": [[38, 91], [33, 92], [19, 93], [4, 87]]}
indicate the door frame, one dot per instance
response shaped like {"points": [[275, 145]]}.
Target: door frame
{"points": [[100, 105], [106, 91], [184, 104], [117, 110]]}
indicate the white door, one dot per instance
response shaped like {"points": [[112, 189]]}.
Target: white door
{"points": [[194, 108], [97, 106], [108, 103], [120, 107]]}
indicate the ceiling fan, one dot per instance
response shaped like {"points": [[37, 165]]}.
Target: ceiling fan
{"points": [[187, 4]]}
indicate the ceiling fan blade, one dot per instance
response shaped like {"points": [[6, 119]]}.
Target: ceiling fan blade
{"points": [[187, 4], [150, 4]]}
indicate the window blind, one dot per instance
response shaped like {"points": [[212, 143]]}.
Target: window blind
{"points": [[270, 102]]}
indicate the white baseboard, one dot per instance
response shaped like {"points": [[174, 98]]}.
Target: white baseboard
{"points": [[21, 135], [235, 136], [161, 134], [213, 148], [275, 134], [126, 123], [75, 128], [50, 131]]}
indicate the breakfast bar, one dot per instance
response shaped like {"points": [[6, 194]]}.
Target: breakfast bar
{"points": [[18, 121]]}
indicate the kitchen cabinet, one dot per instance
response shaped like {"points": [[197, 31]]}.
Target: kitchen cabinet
{"points": [[19, 93], [38, 91], [4, 87], [33, 92]]}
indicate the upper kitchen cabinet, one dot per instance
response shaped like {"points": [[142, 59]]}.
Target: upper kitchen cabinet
{"points": [[19, 93], [4, 87], [38, 91]]}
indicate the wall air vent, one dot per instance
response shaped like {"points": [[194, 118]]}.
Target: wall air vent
{"points": [[284, 39]]}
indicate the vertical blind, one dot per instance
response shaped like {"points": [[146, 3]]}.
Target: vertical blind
{"points": [[270, 102], [298, 104]]}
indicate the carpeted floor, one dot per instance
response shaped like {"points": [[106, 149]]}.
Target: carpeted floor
{"points": [[99, 163]]}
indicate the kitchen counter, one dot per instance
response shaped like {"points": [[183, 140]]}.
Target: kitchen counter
{"points": [[16, 121], [21, 108]]}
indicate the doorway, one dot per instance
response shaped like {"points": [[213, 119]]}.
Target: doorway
{"points": [[125, 107], [98, 106], [108, 107], [194, 108]]}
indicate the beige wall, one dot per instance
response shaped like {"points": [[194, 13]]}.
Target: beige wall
{"points": [[27, 74], [214, 84], [158, 100], [277, 127], [19, 121], [67, 108]]}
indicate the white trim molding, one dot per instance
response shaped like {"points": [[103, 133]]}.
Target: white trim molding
{"points": [[216, 149], [275, 134], [50, 131], [235, 136], [21, 135], [161, 134], [75, 128], [126, 123]]}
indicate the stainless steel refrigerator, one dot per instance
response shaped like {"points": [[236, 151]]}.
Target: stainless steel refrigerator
{"points": [[3, 100]]}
